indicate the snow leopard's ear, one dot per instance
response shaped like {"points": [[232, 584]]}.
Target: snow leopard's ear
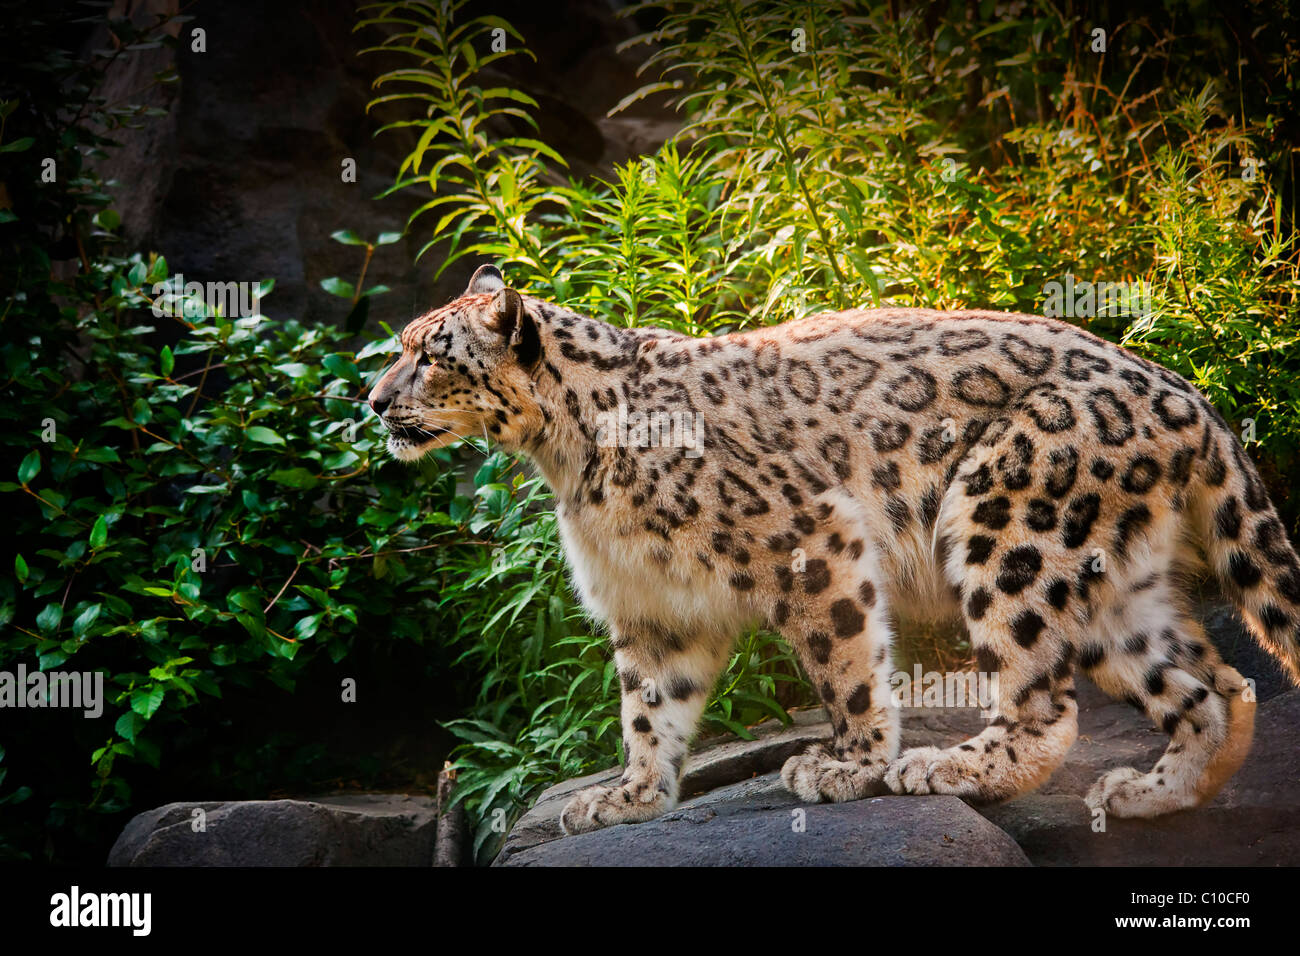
{"points": [[507, 317], [485, 279]]}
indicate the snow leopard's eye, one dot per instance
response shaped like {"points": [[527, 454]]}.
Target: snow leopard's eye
{"points": [[423, 361]]}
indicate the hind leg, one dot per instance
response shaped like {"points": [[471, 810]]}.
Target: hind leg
{"points": [[1036, 724], [1010, 524], [1160, 660], [1023, 633]]}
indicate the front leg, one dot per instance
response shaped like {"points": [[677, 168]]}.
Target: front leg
{"points": [[665, 683], [833, 614]]}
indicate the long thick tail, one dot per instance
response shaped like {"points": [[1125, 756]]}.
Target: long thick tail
{"points": [[1248, 549]]}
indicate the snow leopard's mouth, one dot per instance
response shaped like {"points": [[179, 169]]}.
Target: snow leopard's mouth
{"points": [[409, 434], [412, 442]]}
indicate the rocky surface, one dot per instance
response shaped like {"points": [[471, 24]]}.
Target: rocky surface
{"points": [[757, 823], [1254, 820], [345, 830], [735, 811]]}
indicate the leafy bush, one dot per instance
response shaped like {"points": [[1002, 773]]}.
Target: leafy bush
{"points": [[198, 503]]}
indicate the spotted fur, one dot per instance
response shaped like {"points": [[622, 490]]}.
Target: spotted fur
{"points": [[1047, 486]]}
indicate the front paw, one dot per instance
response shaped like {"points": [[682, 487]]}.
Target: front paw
{"points": [[911, 772], [816, 775], [598, 807]]}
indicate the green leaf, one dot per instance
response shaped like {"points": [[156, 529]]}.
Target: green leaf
{"points": [[18, 145], [99, 455], [265, 436], [343, 367], [387, 238], [356, 319], [85, 620], [146, 702], [30, 466], [20, 568], [166, 361], [347, 237], [129, 724], [52, 659], [339, 287], [307, 626], [158, 272], [295, 478], [49, 619], [99, 533]]}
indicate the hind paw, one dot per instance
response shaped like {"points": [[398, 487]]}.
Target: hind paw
{"points": [[1127, 792]]}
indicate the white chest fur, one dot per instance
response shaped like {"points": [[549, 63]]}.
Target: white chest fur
{"points": [[622, 574]]}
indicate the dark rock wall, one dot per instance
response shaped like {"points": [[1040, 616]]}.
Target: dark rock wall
{"points": [[241, 180]]}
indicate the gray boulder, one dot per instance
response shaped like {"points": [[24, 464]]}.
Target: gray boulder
{"points": [[757, 823], [346, 830]]}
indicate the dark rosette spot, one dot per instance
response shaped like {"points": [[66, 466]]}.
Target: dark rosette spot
{"points": [[1026, 628], [1062, 470], [978, 549], [956, 341], [816, 576], [1113, 420], [802, 381], [978, 603], [1143, 472], [1080, 365], [1079, 517], [913, 391], [1050, 411], [847, 618], [1020, 566], [888, 435], [980, 386], [1130, 523], [993, 512], [1041, 515], [1175, 411], [1027, 358]]}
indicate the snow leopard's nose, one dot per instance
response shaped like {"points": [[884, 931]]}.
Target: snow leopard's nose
{"points": [[380, 405]]}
